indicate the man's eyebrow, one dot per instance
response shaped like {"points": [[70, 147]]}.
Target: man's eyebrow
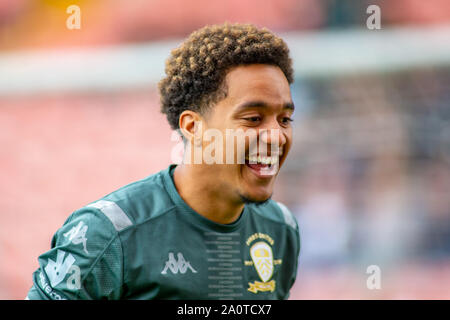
{"points": [[289, 105], [262, 105]]}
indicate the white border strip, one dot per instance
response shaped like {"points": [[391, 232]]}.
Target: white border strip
{"points": [[141, 66]]}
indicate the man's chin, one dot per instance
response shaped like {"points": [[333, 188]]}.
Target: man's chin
{"points": [[247, 199]]}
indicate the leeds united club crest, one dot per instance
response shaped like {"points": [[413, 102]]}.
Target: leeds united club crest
{"points": [[263, 261]]}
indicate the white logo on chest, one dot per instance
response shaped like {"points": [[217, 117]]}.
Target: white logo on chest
{"points": [[262, 257], [175, 266]]}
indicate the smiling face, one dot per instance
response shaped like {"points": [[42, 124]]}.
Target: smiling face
{"points": [[258, 99]]}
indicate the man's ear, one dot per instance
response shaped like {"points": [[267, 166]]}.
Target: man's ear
{"points": [[190, 123]]}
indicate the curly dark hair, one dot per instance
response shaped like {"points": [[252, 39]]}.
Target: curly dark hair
{"points": [[196, 69]]}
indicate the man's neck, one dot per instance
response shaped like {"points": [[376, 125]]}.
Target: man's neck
{"points": [[203, 196]]}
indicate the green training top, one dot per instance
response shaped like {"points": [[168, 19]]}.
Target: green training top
{"points": [[144, 242]]}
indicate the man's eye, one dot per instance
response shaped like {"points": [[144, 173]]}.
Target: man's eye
{"points": [[286, 120], [253, 119]]}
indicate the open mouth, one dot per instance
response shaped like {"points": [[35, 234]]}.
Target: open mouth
{"points": [[263, 166]]}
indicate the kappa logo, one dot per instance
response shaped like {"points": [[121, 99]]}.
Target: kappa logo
{"points": [[63, 266], [177, 266], [77, 235]]}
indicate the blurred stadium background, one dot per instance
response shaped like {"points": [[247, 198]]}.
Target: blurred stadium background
{"points": [[368, 177]]}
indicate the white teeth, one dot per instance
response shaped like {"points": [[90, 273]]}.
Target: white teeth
{"points": [[259, 159], [253, 159], [263, 160]]}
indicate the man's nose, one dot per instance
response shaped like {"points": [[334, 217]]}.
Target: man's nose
{"points": [[272, 138]]}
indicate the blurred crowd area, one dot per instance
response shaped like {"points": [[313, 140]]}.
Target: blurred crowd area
{"points": [[37, 23], [368, 177], [372, 159]]}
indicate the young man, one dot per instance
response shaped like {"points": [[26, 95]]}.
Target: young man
{"points": [[203, 229]]}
